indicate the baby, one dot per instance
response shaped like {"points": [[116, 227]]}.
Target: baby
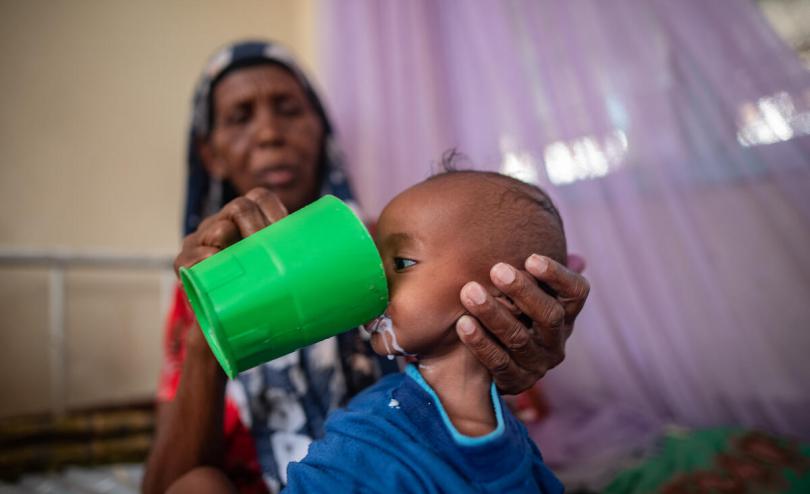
{"points": [[440, 426]]}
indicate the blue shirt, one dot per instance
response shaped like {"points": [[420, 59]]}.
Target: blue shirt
{"points": [[396, 437]]}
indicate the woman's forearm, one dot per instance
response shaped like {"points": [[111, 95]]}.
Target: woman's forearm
{"points": [[190, 428]]}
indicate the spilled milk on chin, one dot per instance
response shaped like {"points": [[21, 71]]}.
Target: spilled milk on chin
{"points": [[385, 326]]}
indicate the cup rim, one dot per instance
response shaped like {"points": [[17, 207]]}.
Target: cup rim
{"points": [[209, 323]]}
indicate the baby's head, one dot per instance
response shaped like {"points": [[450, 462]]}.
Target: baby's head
{"points": [[446, 231]]}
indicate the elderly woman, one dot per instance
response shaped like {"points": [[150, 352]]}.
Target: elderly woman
{"points": [[261, 146]]}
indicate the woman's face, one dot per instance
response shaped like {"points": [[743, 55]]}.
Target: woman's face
{"points": [[265, 134]]}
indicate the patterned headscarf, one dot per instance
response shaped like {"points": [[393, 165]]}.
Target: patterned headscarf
{"points": [[201, 198]]}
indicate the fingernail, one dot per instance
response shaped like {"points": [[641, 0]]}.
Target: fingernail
{"points": [[476, 293], [538, 263], [503, 273], [466, 325]]}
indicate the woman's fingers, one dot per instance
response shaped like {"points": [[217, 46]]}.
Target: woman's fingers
{"points": [[241, 217], [238, 219], [270, 205], [507, 375], [191, 256], [543, 309], [254, 211], [571, 289], [546, 312], [518, 352], [246, 215], [501, 323], [219, 233], [499, 341]]}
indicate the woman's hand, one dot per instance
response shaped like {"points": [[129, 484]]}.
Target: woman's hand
{"points": [[236, 220], [517, 354], [189, 429]]}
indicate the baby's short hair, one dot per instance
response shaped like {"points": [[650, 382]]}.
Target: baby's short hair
{"points": [[519, 218]]}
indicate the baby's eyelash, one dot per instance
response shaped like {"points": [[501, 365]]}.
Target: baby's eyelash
{"points": [[401, 263]]}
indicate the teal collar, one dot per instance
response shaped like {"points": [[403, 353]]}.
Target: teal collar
{"points": [[461, 439]]}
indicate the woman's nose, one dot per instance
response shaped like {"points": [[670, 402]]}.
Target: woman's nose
{"points": [[269, 128]]}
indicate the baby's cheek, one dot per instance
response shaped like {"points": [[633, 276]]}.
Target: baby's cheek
{"points": [[404, 317], [427, 311]]}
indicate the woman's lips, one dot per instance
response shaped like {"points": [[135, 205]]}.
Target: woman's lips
{"points": [[278, 177]]}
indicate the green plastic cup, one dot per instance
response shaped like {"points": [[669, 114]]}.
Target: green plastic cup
{"points": [[312, 275]]}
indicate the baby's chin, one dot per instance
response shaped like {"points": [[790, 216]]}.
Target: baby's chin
{"points": [[384, 339], [379, 346]]}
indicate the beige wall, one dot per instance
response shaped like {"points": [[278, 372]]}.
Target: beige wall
{"points": [[95, 98], [790, 20]]}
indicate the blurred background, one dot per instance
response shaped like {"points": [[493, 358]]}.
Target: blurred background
{"points": [[674, 136], [97, 98]]}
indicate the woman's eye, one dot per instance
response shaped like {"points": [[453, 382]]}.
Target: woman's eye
{"points": [[401, 263], [289, 108], [238, 117]]}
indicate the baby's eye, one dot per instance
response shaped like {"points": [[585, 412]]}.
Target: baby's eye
{"points": [[401, 263]]}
